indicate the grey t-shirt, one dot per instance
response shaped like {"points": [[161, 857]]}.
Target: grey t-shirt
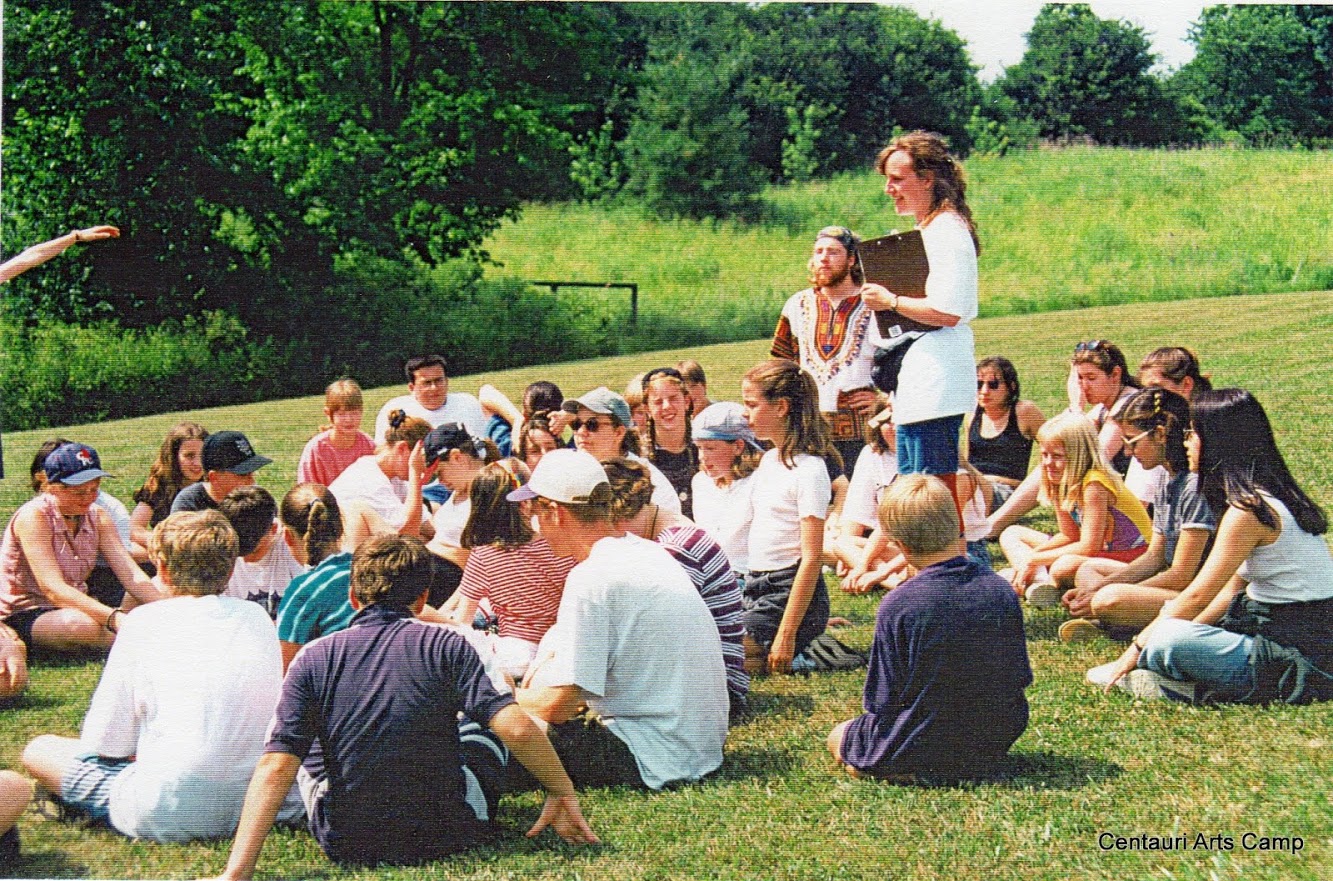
{"points": [[1181, 505]]}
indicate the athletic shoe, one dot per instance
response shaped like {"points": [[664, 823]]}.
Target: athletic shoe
{"points": [[1080, 630], [1148, 685], [1100, 676], [1043, 596]]}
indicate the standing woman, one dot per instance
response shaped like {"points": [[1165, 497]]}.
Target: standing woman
{"points": [[1256, 623], [668, 431], [935, 385]]}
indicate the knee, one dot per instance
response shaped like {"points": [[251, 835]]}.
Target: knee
{"points": [[834, 741], [1086, 576]]}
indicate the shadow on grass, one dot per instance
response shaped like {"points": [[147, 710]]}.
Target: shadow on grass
{"points": [[762, 706], [44, 864], [1038, 770]]}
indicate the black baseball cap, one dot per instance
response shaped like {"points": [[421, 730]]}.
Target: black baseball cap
{"points": [[231, 451]]}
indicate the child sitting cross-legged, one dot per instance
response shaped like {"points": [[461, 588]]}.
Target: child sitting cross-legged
{"points": [[949, 663], [178, 720]]}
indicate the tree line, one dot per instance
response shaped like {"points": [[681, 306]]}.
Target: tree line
{"points": [[305, 187]]}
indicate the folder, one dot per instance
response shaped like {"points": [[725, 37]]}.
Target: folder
{"points": [[898, 262]]}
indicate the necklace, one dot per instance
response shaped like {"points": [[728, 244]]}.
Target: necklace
{"points": [[652, 525]]}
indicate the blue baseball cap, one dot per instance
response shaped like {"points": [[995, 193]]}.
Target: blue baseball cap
{"points": [[73, 465], [724, 421]]}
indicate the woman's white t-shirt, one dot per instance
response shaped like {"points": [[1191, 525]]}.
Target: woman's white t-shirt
{"points": [[782, 498]]}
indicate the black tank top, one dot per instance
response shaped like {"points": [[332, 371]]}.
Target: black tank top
{"points": [[1005, 455]]}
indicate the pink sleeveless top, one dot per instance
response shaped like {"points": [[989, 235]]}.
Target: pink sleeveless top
{"points": [[76, 554]]}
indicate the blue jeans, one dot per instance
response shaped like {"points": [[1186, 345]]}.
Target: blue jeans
{"points": [[929, 447], [1215, 658]]}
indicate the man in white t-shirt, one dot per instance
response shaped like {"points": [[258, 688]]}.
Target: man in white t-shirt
{"points": [[179, 717], [633, 641], [429, 399]]}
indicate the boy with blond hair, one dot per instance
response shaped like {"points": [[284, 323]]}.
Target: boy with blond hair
{"points": [[949, 662], [178, 720]]}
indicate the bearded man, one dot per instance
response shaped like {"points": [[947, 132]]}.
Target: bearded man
{"points": [[832, 335]]}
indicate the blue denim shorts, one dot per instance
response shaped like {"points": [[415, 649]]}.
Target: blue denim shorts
{"points": [[86, 786]]}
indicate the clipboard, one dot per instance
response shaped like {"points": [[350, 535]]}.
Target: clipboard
{"points": [[898, 262]]}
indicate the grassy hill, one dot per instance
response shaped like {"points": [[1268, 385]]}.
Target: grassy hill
{"points": [[1088, 764], [1060, 229]]}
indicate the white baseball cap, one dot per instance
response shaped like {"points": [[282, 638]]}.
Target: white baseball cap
{"points": [[565, 476]]}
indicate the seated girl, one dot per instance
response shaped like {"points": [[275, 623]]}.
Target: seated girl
{"points": [[508, 567], [315, 603], [179, 463], [341, 442], [50, 547], [1097, 515], [1002, 428], [1175, 369], [1098, 377], [382, 492], [879, 566], [1113, 594], [876, 467], [1256, 623], [728, 457]]}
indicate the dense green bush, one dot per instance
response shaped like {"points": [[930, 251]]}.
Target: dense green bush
{"points": [[58, 374]]}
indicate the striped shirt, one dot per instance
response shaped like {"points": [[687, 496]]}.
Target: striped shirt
{"points": [[524, 585], [316, 604], [703, 560]]}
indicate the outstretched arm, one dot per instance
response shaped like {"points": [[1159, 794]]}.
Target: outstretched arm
{"points": [[39, 254]]}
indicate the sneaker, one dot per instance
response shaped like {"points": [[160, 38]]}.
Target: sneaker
{"points": [[1101, 676], [802, 664], [1147, 685], [1044, 595], [1080, 630]]}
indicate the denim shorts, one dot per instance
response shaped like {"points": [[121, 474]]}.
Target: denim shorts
{"points": [[86, 786]]}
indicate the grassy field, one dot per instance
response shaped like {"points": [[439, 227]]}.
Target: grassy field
{"points": [[1060, 229], [1088, 764]]}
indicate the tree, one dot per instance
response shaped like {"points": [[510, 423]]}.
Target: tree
{"points": [[1083, 76], [1264, 71]]}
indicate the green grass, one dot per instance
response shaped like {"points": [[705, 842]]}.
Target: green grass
{"points": [[1060, 229], [778, 809]]}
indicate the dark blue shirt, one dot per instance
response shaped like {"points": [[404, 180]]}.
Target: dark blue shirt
{"points": [[948, 668], [382, 699]]}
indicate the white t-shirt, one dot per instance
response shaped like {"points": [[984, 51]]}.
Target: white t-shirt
{"points": [[449, 519], [782, 498], [119, 514], [365, 481], [458, 407], [939, 371], [873, 472], [264, 580], [634, 633], [188, 690], [1146, 484], [725, 512], [664, 494]]}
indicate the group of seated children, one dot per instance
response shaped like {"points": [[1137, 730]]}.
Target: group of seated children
{"points": [[596, 610]]}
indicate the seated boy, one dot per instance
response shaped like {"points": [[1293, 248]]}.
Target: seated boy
{"points": [[949, 662], [178, 720], [413, 786], [265, 566], [229, 462]]}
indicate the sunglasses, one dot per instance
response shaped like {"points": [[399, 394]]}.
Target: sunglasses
{"points": [[991, 384], [593, 424], [1091, 346], [1131, 441]]}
